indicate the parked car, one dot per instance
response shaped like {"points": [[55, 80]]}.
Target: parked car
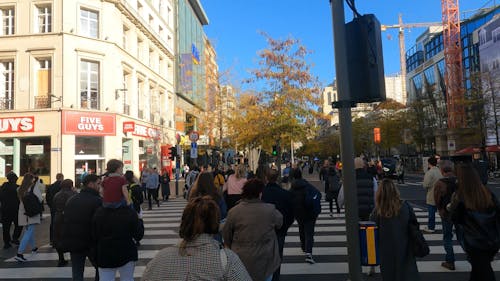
{"points": [[389, 167]]}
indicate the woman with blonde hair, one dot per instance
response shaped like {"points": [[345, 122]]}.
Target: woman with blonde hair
{"points": [[29, 182], [397, 262], [198, 256], [474, 211], [234, 186]]}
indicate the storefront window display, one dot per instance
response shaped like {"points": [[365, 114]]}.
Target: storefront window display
{"points": [[89, 157], [23, 155]]}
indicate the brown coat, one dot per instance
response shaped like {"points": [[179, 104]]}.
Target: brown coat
{"points": [[250, 232]]}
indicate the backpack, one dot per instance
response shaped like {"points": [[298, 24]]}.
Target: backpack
{"points": [[32, 205], [313, 199]]}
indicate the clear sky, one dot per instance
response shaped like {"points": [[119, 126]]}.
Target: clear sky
{"points": [[235, 24]]}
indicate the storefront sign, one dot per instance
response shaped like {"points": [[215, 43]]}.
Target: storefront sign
{"points": [[6, 150], [34, 149], [88, 123], [128, 126], [145, 131], [17, 124]]}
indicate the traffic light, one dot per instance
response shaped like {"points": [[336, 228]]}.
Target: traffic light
{"points": [[275, 150], [173, 152]]}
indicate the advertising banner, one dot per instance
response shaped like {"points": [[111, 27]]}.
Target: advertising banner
{"points": [[88, 123]]}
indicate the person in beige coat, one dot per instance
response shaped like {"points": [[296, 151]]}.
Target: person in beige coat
{"points": [[431, 177], [250, 231], [29, 181]]}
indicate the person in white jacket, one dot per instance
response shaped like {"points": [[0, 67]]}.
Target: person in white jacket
{"points": [[29, 181]]}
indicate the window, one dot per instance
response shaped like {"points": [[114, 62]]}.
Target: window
{"points": [[429, 75], [7, 84], [89, 84], [139, 48], [151, 58], [125, 35], [7, 26], [43, 20], [43, 82], [89, 23]]}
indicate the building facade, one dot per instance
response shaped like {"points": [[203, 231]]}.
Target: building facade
{"points": [[82, 82], [426, 69]]}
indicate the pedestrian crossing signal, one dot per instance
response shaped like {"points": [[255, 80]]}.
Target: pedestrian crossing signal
{"points": [[275, 150], [173, 152]]}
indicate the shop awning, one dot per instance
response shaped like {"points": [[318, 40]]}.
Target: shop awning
{"points": [[469, 150], [493, 148]]}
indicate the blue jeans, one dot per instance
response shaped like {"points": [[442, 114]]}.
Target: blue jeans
{"points": [[28, 237], [431, 224], [126, 272], [447, 240]]}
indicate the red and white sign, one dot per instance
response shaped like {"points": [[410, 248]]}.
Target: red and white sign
{"points": [[145, 131], [17, 124], [194, 136], [128, 126], [88, 123]]}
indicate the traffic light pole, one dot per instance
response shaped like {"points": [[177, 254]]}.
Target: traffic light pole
{"points": [[346, 143]]}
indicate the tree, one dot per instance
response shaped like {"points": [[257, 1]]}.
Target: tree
{"points": [[285, 109]]}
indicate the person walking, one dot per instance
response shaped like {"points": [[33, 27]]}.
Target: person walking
{"points": [[59, 202], [250, 231], [115, 228], [51, 191], [306, 219], [30, 184], [234, 186], [9, 206], [431, 177], [397, 262], [366, 186], [144, 179], [400, 172], [78, 214], [165, 185], [152, 184], [198, 256], [443, 189], [474, 210], [134, 191], [282, 200], [332, 187]]}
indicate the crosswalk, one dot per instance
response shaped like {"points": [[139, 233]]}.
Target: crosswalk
{"points": [[330, 251]]}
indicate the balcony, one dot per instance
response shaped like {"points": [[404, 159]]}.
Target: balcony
{"points": [[42, 102], [6, 104]]}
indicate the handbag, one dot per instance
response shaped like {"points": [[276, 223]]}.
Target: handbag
{"points": [[416, 240]]}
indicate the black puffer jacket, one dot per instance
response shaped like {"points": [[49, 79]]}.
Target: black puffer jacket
{"points": [[115, 230], [300, 211], [9, 199], [78, 214], [365, 190]]}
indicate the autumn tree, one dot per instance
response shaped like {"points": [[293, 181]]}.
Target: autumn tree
{"points": [[284, 110]]}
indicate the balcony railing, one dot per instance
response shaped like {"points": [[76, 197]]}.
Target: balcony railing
{"points": [[6, 104], [42, 102]]}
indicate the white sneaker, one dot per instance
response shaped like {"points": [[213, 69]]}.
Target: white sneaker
{"points": [[309, 258], [428, 231]]}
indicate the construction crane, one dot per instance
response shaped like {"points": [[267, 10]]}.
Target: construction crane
{"points": [[453, 60], [402, 50]]}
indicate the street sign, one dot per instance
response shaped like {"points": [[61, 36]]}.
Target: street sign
{"points": [[194, 152], [194, 136], [194, 145]]}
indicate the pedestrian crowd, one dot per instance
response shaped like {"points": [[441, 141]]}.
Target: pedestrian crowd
{"points": [[235, 222]]}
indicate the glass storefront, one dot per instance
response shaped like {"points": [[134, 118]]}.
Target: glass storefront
{"points": [[23, 155], [89, 157]]}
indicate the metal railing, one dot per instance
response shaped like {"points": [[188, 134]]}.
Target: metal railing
{"points": [[42, 102], [6, 104]]}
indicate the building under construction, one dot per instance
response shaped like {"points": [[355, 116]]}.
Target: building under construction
{"points": [[430, 86]]}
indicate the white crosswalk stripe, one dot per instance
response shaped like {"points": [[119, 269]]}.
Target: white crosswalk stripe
{"points": [[330, 250]]}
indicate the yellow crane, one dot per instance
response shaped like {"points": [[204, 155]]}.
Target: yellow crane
{"points": [[402, 50]]}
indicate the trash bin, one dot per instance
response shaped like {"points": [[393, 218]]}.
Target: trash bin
{"points": [[368, 243]]}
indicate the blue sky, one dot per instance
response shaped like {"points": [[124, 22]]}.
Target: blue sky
{"points": [[235, 24]]}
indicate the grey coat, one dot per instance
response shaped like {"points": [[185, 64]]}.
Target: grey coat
{"points": [[397, 263], [250, 232]]}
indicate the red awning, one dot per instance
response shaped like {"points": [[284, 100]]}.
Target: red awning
{"points": [[493, 148], [469, 150]]}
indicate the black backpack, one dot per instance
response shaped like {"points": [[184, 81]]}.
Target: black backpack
{"points": [[32, 205]]}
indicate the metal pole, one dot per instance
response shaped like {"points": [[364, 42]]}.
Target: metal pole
{"points": [[346, 143]]}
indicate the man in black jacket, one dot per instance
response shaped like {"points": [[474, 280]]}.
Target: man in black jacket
{"points": [[366, 187], [51, 191], [282, 200], [306, 219], [78, 214], [10, 205]]}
